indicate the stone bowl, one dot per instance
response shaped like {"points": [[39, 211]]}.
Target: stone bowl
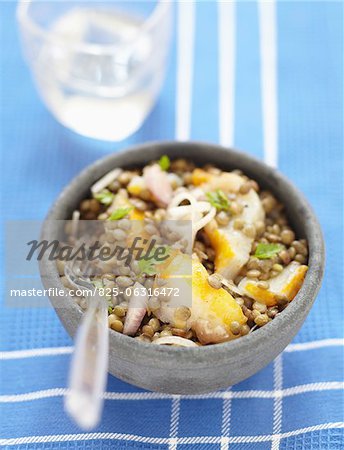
{"points": [[177, 370]]}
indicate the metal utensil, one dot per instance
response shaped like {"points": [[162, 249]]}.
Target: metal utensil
{"points": [[89, 366]]}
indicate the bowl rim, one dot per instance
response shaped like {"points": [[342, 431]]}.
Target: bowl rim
{"points": [[211, 353]]}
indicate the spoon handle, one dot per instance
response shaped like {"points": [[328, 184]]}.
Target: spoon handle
{"points": [[89, 366]]}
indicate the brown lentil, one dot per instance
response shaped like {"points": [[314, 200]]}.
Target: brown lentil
{"points": [[182, 313], [215, 281], [272, 312], [235, 208], [119, 235], [261, 320], [287, 237], [253, 273], [222, 218], [154, 323], [300, 258], [260, 307], [94, 206], [249, 231], [125, 177], [273, 237], [263, 285], [292, 252], [269, 203], [119, 311], [260, 227], [274, 229], [148, 330], [245, 188], [245, 329], [117, 325], [238, 224], [123, 281], [182, 333], [112, 317], [165, 333], [300, 248], [235, 327], [285, 257]]}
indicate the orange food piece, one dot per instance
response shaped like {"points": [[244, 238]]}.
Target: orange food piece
{"points": [[223, 250], [200, 176], [294, 285]]}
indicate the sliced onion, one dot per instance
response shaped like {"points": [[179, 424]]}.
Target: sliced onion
{"points": [[206, 219], [105, 180], [175, 340], [75, 223], [180, 212], [231, 286], [158, 183], [136, 310], [194, 210], [180, 197]]}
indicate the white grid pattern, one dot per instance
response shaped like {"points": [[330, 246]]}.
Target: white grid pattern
{"points": [[175, 412], [278, 387], [278, 393], [226, 422], [225, 395], [154, 440]]}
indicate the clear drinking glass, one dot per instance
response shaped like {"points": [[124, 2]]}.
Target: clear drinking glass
{"points": [[98, 65]]}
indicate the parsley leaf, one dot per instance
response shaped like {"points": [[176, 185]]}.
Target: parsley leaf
{"points": [[119, 213], [150, 266], [218, 199], [147, 266], [105, 197], [164, 162], [267, 251]]}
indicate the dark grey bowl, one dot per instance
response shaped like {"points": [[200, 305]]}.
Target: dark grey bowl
{"points": [[194, 370]]}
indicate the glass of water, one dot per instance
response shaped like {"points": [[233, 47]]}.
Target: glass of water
{"points": [[98, 65]]}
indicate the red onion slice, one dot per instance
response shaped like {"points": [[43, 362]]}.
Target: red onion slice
{"points": [[158, 183], [137, 309]]}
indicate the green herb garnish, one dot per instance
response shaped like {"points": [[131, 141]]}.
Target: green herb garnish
{"points": [[267, 251], [147, 266], [218, 199], [98, 284], [150, 266], [119, 213], [105, 197], [164, 162]]}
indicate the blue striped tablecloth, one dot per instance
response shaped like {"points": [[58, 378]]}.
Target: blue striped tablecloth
{"points": [[297, 401]]}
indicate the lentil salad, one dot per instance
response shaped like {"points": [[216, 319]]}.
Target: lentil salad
{"points": [[247, 264]]}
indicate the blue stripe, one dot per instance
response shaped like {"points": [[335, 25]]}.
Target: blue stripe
{"points": [[248, 112], [205, 122], [311, 136]]}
